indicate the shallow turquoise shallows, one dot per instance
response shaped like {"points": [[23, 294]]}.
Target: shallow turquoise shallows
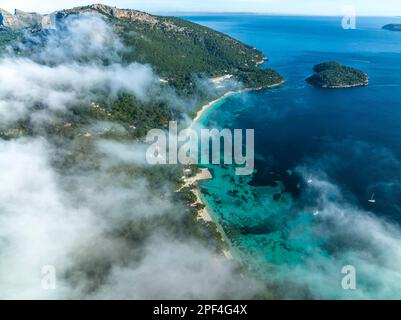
{"points": [[346, 142]]}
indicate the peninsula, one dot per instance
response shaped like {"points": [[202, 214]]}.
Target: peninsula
{"points": [[182, 55], [177, 49]]}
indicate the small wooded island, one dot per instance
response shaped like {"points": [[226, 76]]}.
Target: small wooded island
{"points": [[335, 75], [392, 27]]}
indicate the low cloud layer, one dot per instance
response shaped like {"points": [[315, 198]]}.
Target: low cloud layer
{"points": [[349, 234], [74, 220], [44, 223], [68, 71], [85, 38], [26, 84], [178, 271]]}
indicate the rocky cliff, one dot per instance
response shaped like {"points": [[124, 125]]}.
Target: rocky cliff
{"points": [[21, 19]]}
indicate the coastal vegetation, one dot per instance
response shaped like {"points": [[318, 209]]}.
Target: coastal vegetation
{"points": [[179, 52], [335, 75], [177, 49]]}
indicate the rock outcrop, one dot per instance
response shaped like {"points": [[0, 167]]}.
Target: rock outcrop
{"points": [[21, 19]]}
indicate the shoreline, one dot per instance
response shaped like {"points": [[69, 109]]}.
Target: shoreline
{"points": [[364, 84], [204, 173], [204, 214], [201, 112]]}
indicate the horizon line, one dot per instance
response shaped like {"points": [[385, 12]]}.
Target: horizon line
{"points": [[268, 14], [196, 12]]}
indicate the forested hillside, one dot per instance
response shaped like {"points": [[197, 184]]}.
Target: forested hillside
{"points": [[79, 90]]}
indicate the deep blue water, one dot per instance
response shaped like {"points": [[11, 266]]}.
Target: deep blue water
{"points": [[347, 138]]}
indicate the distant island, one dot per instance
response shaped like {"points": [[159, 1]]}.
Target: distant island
{"points": [[392, 27], [335, 75]]}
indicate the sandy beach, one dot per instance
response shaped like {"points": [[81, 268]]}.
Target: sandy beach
{"points": [[206, 107], [204, 214], [204, 173]]}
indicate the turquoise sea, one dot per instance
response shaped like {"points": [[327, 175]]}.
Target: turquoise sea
{"points": [[320, 156]]}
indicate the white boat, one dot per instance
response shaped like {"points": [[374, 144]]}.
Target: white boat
{"points": [[316, 213], [309, 181], [372, 200]]}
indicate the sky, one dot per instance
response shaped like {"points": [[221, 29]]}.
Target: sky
{"points": [[301, 7]]}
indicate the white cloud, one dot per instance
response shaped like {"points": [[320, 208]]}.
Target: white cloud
{"points": [[72, 222], [75, 219], [24, 83], [346, 235], [54, 79], [177, 270], [38, 227]]}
